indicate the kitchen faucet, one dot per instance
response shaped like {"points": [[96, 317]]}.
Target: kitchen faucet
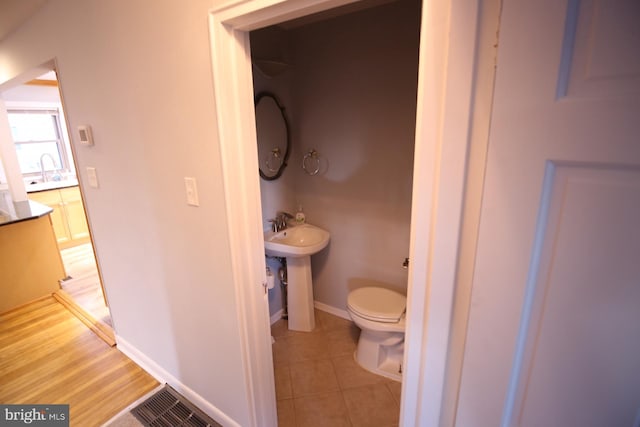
{"points": [[44, 173]]}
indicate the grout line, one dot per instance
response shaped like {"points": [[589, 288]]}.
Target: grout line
{"points": [[322, 334], [346, 407], [393, 395]]}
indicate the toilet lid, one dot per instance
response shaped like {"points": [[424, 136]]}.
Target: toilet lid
{"points": [[377, 304]]}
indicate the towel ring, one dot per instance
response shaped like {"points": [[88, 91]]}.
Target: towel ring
{"points": [[274, 155], [313, 155]]}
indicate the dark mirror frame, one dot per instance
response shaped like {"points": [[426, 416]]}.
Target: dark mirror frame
{"points": [[285, 157]]}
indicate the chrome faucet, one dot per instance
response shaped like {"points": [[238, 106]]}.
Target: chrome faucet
{"points": [[280, 221], [42, 171]]}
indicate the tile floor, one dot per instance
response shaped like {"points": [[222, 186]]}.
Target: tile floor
{"points": [[318, 383]]}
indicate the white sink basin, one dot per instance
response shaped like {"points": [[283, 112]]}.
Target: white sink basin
{"points": [[295, 242]]}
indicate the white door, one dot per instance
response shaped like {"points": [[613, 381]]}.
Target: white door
{"points": [[554, 325]]}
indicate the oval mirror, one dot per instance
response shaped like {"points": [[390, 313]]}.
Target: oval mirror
{"points": [[272, 131]]}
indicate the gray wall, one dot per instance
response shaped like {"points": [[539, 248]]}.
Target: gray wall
{"points": [[273, 43], [353, 94]]}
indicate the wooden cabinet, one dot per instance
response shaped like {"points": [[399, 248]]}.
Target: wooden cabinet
{"points": [[68, 218], [74, 210], [30, 262]]}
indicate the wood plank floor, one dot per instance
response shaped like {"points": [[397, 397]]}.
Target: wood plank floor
{"points": [[47, 356], [84, 284]]}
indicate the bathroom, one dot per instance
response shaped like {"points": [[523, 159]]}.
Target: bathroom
{"points": [[348, 85]]}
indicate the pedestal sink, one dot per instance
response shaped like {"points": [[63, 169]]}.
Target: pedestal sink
{"points": [[297, 244]]}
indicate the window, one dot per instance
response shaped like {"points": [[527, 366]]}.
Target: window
{"points": [[38, 139]]}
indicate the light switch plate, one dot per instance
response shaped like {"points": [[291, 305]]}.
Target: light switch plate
{"points": [[192, 191], [92, 177]]}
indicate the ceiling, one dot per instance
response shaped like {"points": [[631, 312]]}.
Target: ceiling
{"points": [[331, 13], [14, 13]]}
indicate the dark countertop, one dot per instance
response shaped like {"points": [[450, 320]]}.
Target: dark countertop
{"points": [[12, 212]]}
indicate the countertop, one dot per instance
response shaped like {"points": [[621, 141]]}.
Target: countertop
{"points": [[12, 212], [51, 185]]}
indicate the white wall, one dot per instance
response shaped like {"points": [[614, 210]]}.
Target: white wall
{"points": [[32, 94], [140, 74], [10, 175], [354, 98]]}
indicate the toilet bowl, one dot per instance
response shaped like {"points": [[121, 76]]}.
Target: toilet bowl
{"points": [[380, 314]]}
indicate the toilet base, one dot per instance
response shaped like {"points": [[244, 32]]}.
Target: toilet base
{"points": [[381, 357]]}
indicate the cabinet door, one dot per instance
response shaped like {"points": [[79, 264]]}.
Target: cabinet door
{"points": [[74, 208], [58, 218]]}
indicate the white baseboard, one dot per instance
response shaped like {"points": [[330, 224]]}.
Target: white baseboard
{"points": [[160, 374], [320, 306], [277, 316], [332, 310]]}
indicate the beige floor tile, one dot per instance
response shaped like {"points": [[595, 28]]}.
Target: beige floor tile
{"points": [[371, 406], [312, 376], [351, 375], [307, 347], [311, 368], [328, 322], [323, 410], [395, 388], [280, 328], [343, 342], [280, 351], [283, 382], [286, 413]]}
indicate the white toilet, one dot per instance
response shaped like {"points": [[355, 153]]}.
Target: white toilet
{"points": [[380, 314]]}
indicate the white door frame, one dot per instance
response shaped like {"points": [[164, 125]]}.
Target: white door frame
{"points": [[444, 103]]}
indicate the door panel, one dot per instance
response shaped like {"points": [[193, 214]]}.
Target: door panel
{"points": [[553, 332], [578, 363], [600, 48]]}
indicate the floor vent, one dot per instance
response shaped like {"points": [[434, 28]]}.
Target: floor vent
{"points": [[167, 408]]}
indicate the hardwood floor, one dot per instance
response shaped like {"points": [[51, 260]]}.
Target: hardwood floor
{"points": [[84, 283], [47, 356]]}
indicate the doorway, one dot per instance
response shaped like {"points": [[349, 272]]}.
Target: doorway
{"points": [[46, 160], [347, 80], [445, 89]]}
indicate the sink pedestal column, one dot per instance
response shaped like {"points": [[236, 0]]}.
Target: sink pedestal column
{"points": [[300, 294]]}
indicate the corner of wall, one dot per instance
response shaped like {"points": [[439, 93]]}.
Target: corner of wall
{"points": [[162, 376]]}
